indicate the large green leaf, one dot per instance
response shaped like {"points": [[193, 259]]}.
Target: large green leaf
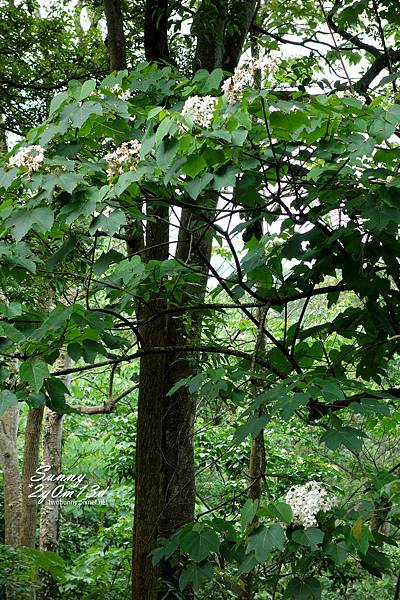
{"points": [[265, 539], [34, 371], [200, 543]]}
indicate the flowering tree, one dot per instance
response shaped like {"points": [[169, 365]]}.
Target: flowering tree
{"points": [[308, 181]]}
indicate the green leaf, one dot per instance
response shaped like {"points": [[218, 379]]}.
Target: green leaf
{"points": [[56, 392], [105, 260], [376, 562], [279, 510], [345, 436], [248, 564], [166, 548], [311, 537], [23, 220], [163, 129], [82, 112], [195, 575], [213, 81], [195, 187], [57, 101], [7, 399], [87, 88], [337, 552], [47, 561], [34, 371], [303, 589], [195, 165], [248, 513], [199, 544], [11, 310], [110, 223], [265, 539], [68, 246], [7, 176], [253, 427]]}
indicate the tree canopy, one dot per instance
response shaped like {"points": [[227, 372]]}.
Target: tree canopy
{"points": [[214, 222]]}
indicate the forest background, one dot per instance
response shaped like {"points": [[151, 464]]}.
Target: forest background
{"points": [[200, 289]]}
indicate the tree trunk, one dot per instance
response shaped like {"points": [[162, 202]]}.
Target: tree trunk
{"points": [[194, 248], [30, 464], [115, 35], [149, 424], [11, 475], [156, 31], [52, 455], [170, 437], [178, 489], [51, 508], [50, 513], [257, 453]]}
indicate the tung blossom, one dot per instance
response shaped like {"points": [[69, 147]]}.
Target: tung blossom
{"points": [[126, 155], [244, 76], [29, 157], [306, 501], [349, 93], [118, 91], [200, 109]]}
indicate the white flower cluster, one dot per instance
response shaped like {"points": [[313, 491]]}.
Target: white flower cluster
{"points": [[126, 155], [118, 91], [244, 76], [349, 94], [306, 501], [200, 109], [29, 157]]}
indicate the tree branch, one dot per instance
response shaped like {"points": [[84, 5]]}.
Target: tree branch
{"points": [[165, 350], [108, 406]]}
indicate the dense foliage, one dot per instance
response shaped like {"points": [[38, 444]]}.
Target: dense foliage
{"points": [[295, 179]]}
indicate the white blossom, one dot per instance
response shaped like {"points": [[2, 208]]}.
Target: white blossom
{"points": [[244, 76], [29, 157], [306, 501], [349, 94], [127, 155], [200, 109], [268, 64], [118, 91]]}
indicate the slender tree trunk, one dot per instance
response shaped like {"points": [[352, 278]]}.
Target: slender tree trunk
{"points": [[51, 508], [257, 453], [11, 475], [149, 424], [178, 489], [115, 34], [156, 30], [194, 248], [52, 455], [50, 513], [30, 464]]}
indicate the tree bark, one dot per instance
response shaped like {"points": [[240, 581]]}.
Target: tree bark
{"points": [[243, 13], [11, 475], [209, 27], [194, 248], [257, 453], [156, 31], [30, 464], [149, 424], [52, 455], [115, 34], [178, 475]]}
